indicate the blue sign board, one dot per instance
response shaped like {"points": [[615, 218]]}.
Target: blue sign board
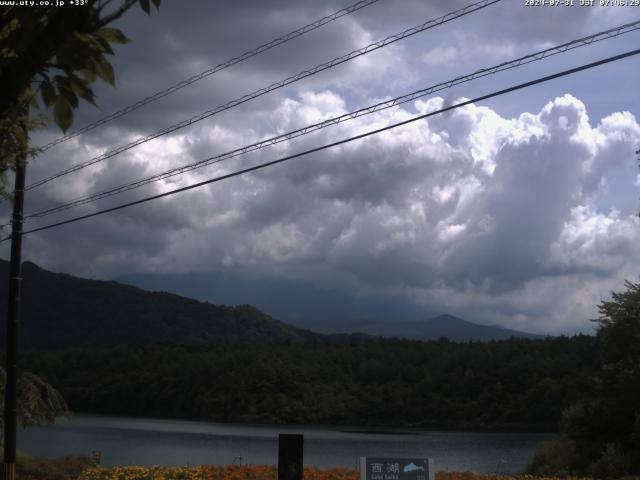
{"points": [[390, 468]]}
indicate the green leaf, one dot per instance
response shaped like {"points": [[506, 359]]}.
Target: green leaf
{"points": [[89, 73], [104, 46], [48, 93], [105, 71], [71, 97], [62, 113], [83, 37], [144, 5], [75, 79], [82, 90], [74, 52], [112, 35]]}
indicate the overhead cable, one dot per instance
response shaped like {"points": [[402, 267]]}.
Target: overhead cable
{"points": [[540, 55], [334, 144], [210, 71], [274, 86]]}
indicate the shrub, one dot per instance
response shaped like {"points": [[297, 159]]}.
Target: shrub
{"points": [[613, 463], [555, 457], [63, 468]]}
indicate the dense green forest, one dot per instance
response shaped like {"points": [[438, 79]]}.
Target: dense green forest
{"points": [[114, 349], [349, 380]]}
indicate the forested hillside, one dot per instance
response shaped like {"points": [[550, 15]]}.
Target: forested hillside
{"points": [[112, 348], [61, 311], [349, 380]]}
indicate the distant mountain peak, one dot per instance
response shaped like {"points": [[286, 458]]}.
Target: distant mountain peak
{"points": [[446, 318], [456, 328], [441, 326]]}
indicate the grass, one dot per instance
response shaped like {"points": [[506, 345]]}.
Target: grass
{"points": [[80, 468], [64, 468]]}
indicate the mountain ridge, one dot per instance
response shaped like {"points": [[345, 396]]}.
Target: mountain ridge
{"points": [[328, 311], [62, 311], [441, 326]]}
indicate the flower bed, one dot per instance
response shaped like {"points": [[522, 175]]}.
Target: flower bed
{"points": [[263, 472], [232, 472]]}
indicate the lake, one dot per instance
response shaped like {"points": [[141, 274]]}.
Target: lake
{"points": [[144, 441]]}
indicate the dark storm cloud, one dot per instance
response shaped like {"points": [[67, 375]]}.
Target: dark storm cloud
{"points": [[186, 38], [470, 212]]}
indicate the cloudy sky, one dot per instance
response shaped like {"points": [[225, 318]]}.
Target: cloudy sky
{"points": [[520, 210]]}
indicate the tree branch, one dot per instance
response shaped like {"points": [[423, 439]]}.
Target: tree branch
{"points": [[116, 14]]}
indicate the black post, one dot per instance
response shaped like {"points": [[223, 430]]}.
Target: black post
{"points": [[13, 321], [290, 456]]}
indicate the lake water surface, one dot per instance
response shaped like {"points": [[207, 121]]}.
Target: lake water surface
{"points": [[142, 441]]}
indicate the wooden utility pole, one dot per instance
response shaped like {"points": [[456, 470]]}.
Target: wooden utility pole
{"points": [[13, 322]]}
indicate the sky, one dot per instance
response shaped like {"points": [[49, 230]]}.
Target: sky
{"points": [[519, 210]]}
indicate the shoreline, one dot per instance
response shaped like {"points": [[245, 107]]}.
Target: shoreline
{"points": [[371, 428]]}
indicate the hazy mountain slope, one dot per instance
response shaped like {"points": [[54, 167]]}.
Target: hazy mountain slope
{"points": [[293, 301], [457, 329], [325, 311], [453, 328], [62, 311]]}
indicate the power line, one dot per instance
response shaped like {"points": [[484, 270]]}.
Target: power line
{"points": [[340, 142], [240, 58], [274, 86], [588, 40]]}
